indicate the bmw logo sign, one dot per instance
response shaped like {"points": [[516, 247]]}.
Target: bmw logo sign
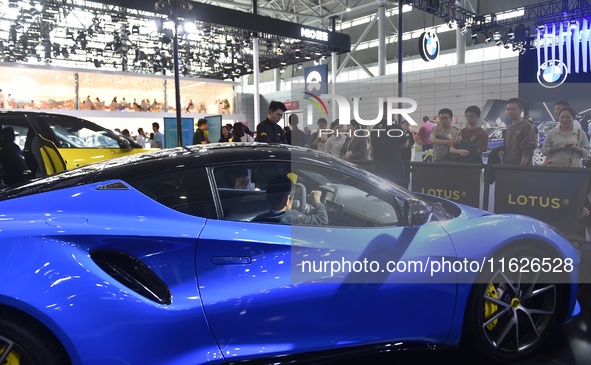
{"points": [[429, 46], [552, 73]]}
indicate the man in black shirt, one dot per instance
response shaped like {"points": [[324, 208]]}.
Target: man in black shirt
{"points": [[355, 146], [295, 136], [268, 130], [386, 142], [200, 136]]}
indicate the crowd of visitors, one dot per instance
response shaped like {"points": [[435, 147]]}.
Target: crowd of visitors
{"points": [[391, 153], [95, 103], [440, 140]]}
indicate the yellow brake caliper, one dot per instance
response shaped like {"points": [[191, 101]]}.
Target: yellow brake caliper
{"points": [[490, 308], [13, 357]]}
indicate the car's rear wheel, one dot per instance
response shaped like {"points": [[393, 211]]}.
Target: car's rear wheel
{"points": [[509, 314], [22, 342]]}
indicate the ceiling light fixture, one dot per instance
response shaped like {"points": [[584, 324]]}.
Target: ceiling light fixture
{"points": [[117, 38]]}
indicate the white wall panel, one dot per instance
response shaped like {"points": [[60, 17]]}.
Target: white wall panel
{"points": [[455, 87]]}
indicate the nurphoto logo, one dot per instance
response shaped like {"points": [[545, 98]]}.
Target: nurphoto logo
{"points": [[387, 109]]}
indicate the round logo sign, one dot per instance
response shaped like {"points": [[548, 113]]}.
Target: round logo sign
{"points": [[552, 73], [429, 46], [314, 81]]}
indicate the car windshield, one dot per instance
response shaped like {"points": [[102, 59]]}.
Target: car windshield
{"points": [[78, 133], [85, 138]]}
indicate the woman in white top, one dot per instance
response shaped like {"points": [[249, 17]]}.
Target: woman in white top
{"points": [[239, 135], [335, 142], [242, 175]]}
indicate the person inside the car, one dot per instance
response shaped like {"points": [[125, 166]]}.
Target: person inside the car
{"points": [[280, 193], [11, 159]]}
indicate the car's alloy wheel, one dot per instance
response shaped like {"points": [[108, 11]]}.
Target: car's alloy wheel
{"points": [[12, 354], [538, 158], [515, 317], [510, 315]]}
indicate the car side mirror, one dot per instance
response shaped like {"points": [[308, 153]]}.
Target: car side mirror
{"points": [[416, 212], [124, 143]]}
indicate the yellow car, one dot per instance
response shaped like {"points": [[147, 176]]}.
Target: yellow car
{"points": [[41, 136]]}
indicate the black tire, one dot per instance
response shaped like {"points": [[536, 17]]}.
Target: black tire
{"points": [[25, 342], [508, 315]]}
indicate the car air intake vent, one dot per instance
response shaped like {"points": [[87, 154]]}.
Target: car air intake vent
{"points": [[113, 186], [134, 274]]}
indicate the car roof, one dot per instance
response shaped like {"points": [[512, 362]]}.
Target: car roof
{"points": [[22, 113], [132, 166]]}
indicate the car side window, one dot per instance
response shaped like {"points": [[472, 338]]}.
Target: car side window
{"points": [[21, 127], [184, 191], [74, 133], [349, 202], [241, 189], [24, 137]]}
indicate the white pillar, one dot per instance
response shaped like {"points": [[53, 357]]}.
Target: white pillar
{"points": [[382, 25], [460, 38], [256, 72]]}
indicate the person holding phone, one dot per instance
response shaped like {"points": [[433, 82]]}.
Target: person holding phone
{"points": [[566, 146], [320, 136]]}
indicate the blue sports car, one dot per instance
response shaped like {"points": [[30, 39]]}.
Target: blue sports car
{"points": [[160, 258]]}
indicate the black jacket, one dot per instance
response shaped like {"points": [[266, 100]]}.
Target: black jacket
{"points": [[199, 137], [295, 137], [387, 152], [357, 146], [493, 159], [269, 132]]}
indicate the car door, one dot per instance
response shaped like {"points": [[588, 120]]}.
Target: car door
{"points": [[278, 289]]}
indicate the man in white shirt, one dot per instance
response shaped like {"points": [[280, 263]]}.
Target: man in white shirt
{"points": [[141, 138]]}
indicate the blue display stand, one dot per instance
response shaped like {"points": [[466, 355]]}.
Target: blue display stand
{"points": [[170, 132], [214, 125]]}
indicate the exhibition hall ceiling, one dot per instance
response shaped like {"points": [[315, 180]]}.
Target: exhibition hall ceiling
{"points": [[135, 36]]}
